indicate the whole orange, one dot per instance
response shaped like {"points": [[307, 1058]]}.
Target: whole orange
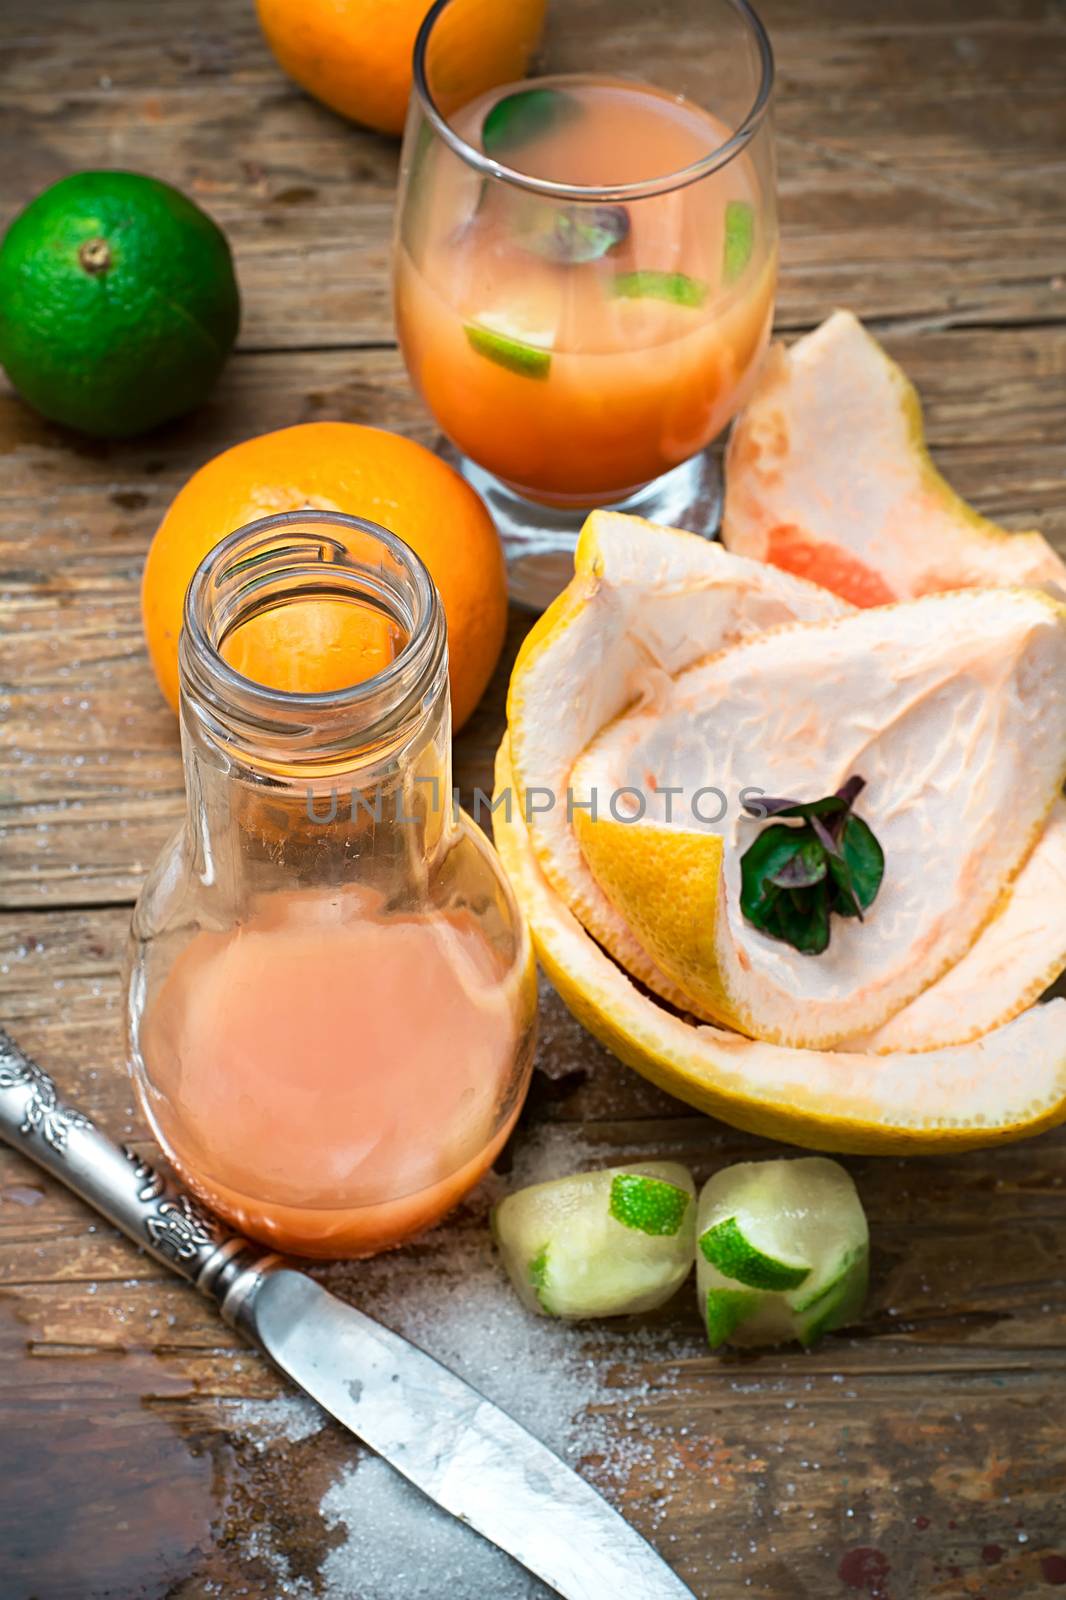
{"points": [[337, 466], [355, 55]]}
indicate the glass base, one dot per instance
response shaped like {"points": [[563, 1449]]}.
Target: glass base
{"points": [[539, 541]]}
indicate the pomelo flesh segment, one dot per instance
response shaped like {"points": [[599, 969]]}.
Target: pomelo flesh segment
{"points": [[664, 882], [1007, 1085], [828, 475], [600, 1244], [1010, 964], [797, 1233], [644, 602], [952, 711]]}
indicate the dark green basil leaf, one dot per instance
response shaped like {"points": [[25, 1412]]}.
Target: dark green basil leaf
{"points": [[768, 854], [801, 918], [522, 116], [858, 870], [792, 879]]}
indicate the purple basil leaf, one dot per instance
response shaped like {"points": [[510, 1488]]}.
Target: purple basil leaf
{"points": [[806, 867], [571, 235], [849, 792], [825, 837]]}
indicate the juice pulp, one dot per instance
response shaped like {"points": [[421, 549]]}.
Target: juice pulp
{"points": [[330, 1078], [578, 382]]}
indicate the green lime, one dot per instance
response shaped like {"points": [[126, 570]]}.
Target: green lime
{"points": [[739, 239], [514, 354], [673, 286], [728, 1248], [118, 303], [724, 1310], [649, 1204], [538, 1277]]}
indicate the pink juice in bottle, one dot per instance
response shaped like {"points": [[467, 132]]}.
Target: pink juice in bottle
{"points": [[331, 1078]]}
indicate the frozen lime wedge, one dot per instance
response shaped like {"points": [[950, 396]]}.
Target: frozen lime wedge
{"points": [[790, 1238], [840, 1301], [649, 1204], [726, 1247], [739, 239], [538, 1274], [525, 359], [676, 287], [569, 1254], [522, 116], [724, 1310]]}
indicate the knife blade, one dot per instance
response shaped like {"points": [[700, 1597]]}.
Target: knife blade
{"points": [[459, 1448]]}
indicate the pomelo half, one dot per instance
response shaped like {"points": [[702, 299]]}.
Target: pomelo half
{"points": [[828, 477], [1007, 1085], [952, 711], [644, 603]]}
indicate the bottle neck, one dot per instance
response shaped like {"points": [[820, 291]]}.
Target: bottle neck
{"points": [[315, 791]]}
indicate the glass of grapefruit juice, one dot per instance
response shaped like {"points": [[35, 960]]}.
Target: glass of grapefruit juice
{"points": [[331, 1000], [585, 264]]}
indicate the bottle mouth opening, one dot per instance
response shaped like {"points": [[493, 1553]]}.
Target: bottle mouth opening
{"points": [[298, 557], [715, 158]]}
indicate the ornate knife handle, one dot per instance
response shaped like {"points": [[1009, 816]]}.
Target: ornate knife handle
{"points": [[157, 1214]]}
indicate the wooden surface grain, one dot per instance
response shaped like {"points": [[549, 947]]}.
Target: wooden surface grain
{"points": [[924, 1456]]}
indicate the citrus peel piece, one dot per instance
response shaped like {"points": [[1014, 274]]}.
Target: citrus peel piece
{"points": [[828, 475]]}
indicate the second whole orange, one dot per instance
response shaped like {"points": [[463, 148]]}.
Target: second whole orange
{"points": [[363, 472], [355, 55]]}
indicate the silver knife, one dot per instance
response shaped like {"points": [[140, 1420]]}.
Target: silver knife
{"points": [[433, 1427]]}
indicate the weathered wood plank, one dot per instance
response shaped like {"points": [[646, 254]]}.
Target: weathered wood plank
{"points": [[920, 158]]}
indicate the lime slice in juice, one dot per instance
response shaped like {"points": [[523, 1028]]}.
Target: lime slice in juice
{"points": [[514, 354], [676, 287], [739, 239]]}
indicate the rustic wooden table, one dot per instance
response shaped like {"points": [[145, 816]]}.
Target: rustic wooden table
{"points": [[142, 1451]]}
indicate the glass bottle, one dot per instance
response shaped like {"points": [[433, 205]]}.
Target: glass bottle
{"points": [[332, 996]]}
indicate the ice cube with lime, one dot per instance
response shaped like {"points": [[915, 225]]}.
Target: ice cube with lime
{"points": [[782, 1251], [600, 1244]]}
